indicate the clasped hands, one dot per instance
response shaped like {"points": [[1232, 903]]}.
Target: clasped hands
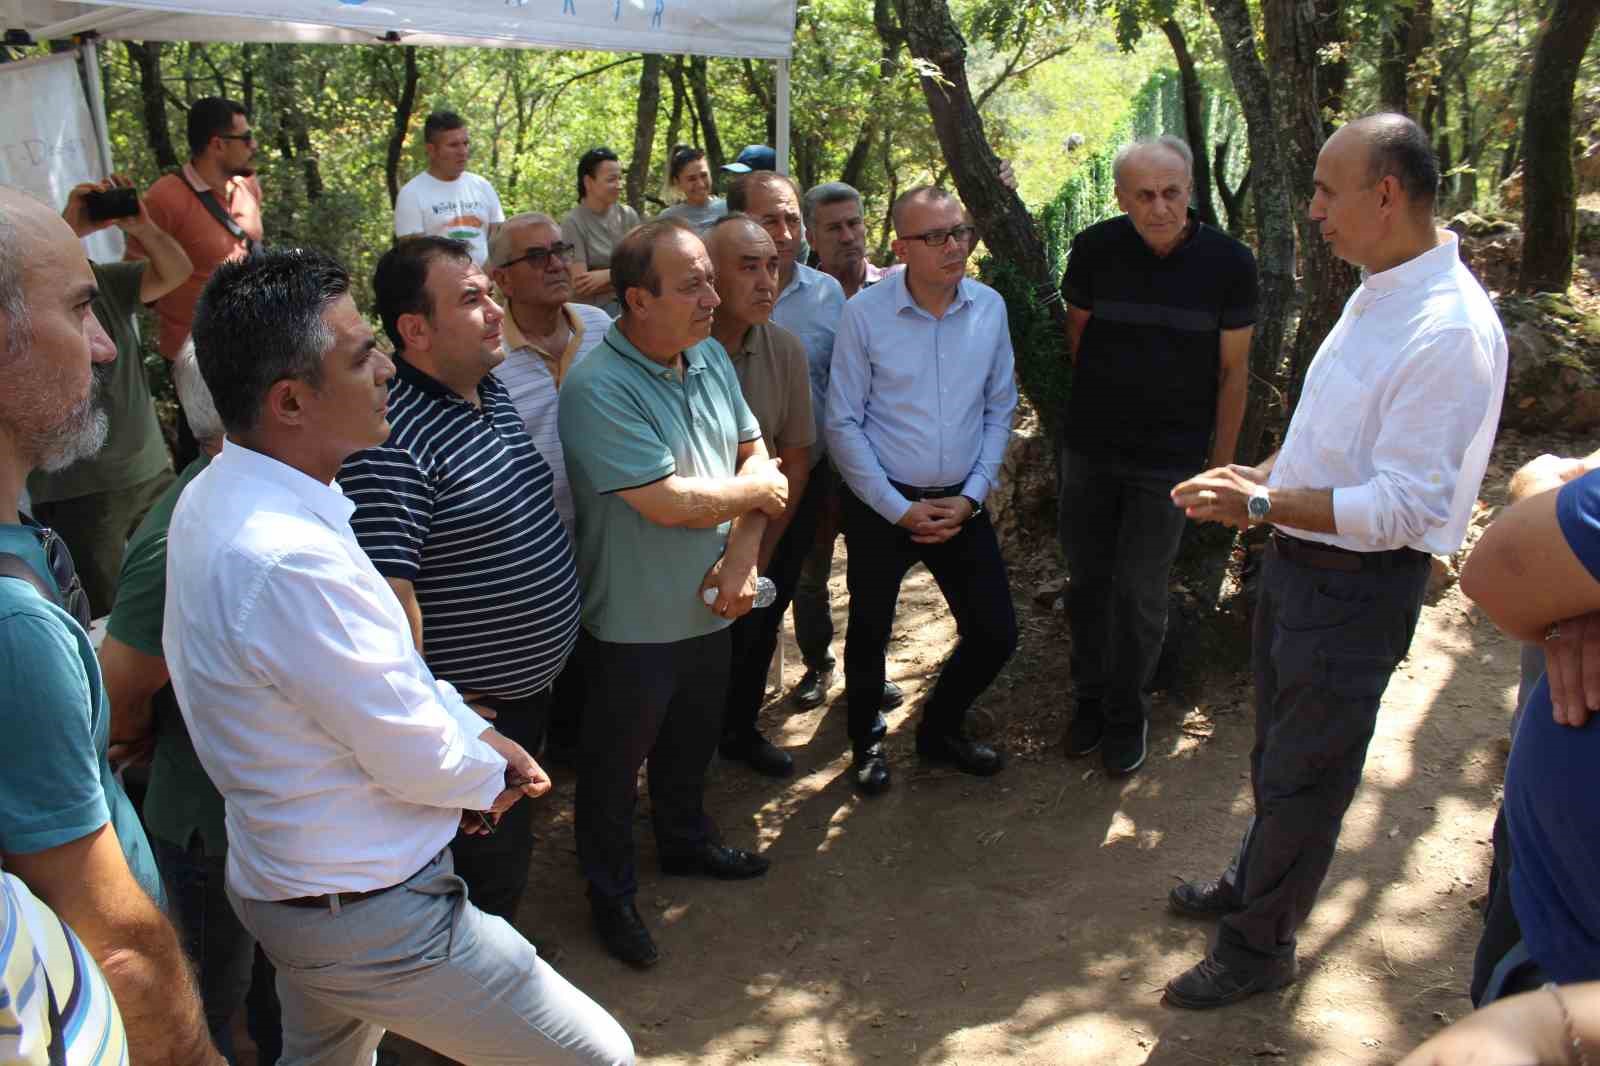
{"points": [[936, 520]]}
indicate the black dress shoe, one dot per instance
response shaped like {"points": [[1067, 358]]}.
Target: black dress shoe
{"points": [[1212, 983], [623, 932], [716, 860], [813, 688], [968, 756], [1202, 899], [893, 696], [758, 753], [869, 771]]}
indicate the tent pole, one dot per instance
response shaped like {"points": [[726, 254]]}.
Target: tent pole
{"points": [[90, 53], [782, 122]]}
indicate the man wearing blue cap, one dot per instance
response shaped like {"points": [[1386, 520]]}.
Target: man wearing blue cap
{"points": [[752, 157]]}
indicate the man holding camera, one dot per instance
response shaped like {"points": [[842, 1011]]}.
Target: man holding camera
{"points": [[97, 502]]}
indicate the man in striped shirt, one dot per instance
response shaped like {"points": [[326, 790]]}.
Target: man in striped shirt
{"points": [[456, 512]]}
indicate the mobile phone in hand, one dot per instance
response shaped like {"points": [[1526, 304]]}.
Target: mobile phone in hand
{"points": [[485, 822], [103, 205]]}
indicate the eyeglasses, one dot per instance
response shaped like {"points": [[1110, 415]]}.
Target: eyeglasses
{"points": [[59, 559], [535, 257], [936, 238], [248, 136]]}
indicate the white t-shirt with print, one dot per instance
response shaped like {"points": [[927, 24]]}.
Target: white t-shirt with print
{"points": [[463, 209]]}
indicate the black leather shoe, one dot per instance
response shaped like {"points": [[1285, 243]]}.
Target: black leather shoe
{"points": [[813, 688], [968, 756], [869, 771], [623, 932], [718, 861], [1084, 732], [893, 696], [1122, 750], [1202, 899], [758, 753], [1211, 983]]}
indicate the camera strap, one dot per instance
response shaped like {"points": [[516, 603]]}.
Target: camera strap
{"points": [[229, 223]]}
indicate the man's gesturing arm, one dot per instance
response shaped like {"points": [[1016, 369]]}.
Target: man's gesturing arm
{"points": [[88, 884]]}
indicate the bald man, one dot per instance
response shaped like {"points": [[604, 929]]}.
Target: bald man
{"points": [[775, 380], [1160, 308], [66, 827], [1381, 467]]}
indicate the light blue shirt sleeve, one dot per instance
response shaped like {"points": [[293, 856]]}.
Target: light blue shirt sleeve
{"points": [[999, 407], [849, 382]]}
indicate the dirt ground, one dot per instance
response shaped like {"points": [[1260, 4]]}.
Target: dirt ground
{"points": [[1022, 919]]}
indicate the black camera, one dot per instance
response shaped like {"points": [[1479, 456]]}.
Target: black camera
{"points": [[105, 205]]}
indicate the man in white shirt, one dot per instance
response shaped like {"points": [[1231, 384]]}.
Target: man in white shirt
{"points": [[1381, 467], [345, 767], [545, 331], [447, 199]]}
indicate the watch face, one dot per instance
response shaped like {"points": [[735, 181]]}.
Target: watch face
{"points": [[1258, 507]]}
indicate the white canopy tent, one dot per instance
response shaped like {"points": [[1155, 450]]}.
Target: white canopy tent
{"points": [[757, 29]]}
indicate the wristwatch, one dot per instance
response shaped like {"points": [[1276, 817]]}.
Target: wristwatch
{"points": [[977, 507], [1259, 505]]}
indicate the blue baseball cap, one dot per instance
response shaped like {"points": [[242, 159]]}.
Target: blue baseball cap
{"points": [[754, 157]]}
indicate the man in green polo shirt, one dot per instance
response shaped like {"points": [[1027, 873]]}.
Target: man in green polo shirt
{"points": [[96, 502], [672, 490]]}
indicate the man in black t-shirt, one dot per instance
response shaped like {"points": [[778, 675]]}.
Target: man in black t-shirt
{"points": [[1160, 309]]}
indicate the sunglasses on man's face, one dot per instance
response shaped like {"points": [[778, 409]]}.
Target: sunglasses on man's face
{"points": [[536, 257], [58, 558]]}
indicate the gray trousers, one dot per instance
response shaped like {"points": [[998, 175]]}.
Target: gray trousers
{"points": [[1324, 645], [421, 960]]}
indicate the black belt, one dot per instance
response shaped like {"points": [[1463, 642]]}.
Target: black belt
{"points": [[1320, 556], [912, 493]]}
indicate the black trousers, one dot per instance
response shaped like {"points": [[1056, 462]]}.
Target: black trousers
{"points": [[661, 702], [1120, 532], [969, 571], [755, 634], [1324, 646], [495, 867]]}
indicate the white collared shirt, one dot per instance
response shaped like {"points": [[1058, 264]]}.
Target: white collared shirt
{"points": [[343, 763], [1400, 407]]}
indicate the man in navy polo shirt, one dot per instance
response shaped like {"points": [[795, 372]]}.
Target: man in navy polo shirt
{"points": [[457, 512], [1160, 308]]}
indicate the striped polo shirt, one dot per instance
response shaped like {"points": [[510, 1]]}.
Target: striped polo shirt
{"points": [[459, 502]]}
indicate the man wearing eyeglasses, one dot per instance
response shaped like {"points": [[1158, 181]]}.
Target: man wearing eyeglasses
{"points": [[920, 401], [545, 332], [213, 208], [1160, 310], [66, 827]]}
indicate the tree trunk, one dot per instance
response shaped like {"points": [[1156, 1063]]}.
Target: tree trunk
{"points": [[931, 36], [1193, 120], [405, 102], [146, 58], [1233, 200], [1296, 33], [757, 82], [1409, 33], [1274, 224], [1550, 192], [708, 119], [644, 131]]}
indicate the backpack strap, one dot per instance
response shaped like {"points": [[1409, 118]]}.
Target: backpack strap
{"points": [[15, 566], [218, 212]]}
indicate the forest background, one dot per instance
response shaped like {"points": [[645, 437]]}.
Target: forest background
{"points": [[888, 94]]}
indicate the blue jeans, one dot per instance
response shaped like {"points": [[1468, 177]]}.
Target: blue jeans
{"points": [[223, 951]]}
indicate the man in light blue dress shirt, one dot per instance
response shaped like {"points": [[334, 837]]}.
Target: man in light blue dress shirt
{"points": [[921, 395]]}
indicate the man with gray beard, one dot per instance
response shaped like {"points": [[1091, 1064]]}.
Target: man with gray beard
{"points": [[66, 827]]}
